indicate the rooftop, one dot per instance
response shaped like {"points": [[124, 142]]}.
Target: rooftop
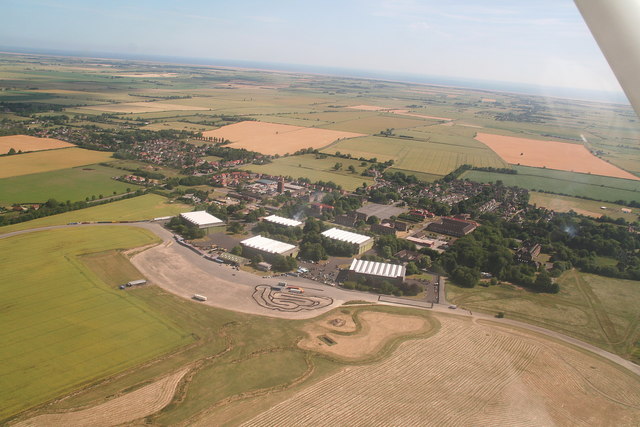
{"points": [[377, 268], [282, 221], [345, 236], [201, 218], [267, 245]]}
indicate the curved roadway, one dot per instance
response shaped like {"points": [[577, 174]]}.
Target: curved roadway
{"points": [[184, 273]]}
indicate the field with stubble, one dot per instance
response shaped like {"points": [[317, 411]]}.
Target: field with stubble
{"points": [[468, 371]]}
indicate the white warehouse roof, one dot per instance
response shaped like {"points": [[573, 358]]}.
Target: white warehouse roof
{"points": [[267, 245], [345, 236], [377, 268], [201, 218], [282, 221]]}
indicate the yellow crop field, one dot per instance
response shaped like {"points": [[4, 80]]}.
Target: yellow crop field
{"points": [[27, 143], [44, 161]]}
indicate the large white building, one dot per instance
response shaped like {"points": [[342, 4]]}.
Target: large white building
{"points": [[201, 219], [275, 219], [267, 248], [360, 242], [376, 272]]}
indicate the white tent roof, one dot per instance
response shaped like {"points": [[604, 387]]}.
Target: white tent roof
{"points": [[377, 268], [201, 218], [345, 236], [282, 221], [267, 245]]}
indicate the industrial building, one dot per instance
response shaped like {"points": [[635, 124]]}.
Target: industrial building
{"points": [[286, 222], [361, 243], [452, 226], [267, 248], [201, 219], [375, 273]]}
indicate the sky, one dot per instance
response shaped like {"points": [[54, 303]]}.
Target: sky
{"points": [[541, 42]]}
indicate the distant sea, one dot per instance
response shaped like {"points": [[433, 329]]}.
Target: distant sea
{"points": [[520, 88]]}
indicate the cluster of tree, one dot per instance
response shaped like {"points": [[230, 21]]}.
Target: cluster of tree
{"points": [[507, 171], [342, 204], [387, 246], [455, 174], [283, 263], [27, 109], [401, 178], [384, 195], [383, 287], [184, 228], [230, 154], [278, 232]]}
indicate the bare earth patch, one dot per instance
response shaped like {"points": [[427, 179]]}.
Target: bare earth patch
{"points": [[123, 409], [30, 143], [469, 373], [142, 107], [377, 330], [272, 138], [550, 154]]}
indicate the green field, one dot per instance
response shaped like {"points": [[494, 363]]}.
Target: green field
{"points": [[72, 184], [435, 158], [599, 310], [582, 206], [139, 208], [62, 326], [43, 161], [308, 166], [569, 183]]}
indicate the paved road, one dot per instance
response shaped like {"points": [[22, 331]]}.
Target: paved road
{"points": [[183, 272]]}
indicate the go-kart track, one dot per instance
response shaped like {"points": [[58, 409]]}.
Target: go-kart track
{"points": [[268, 297]]}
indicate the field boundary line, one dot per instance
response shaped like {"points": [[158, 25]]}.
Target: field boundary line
{"points": [[404, 301]]}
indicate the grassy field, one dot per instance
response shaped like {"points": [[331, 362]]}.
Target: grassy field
{"points": [[425, 156], [582, 206], [62, 326], [65, 184], [144, 207], [44, 161], [568, 183], [595, 309], [307, 166]]}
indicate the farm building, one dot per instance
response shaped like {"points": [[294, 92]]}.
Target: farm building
{"points": [[201, 219], [376, 272], [452, 226], [275, 219], [360, 243], [267, 248]]}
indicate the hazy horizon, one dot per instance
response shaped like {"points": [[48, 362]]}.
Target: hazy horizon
{"points": [[545, 44]]}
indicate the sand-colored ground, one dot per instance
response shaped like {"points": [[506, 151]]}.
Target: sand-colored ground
{"points": [[123, 409], [377, 330], [271, 138], [469, 373], [148, 75], [396, 111], [550, 154], [30, 143], [142, 107]]}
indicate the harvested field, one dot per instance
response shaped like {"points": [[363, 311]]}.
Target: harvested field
{"points": [[550, 154], [123, 409], [43, 161], [148, 75], [26, 143], [490, 374], [396, 111], [142, 107], [584, 207], [271, 138], [377, 330]]}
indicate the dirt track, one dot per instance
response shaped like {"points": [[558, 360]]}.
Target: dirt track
{"points": [[126, 408]]}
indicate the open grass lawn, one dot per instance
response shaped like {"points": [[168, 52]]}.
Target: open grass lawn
{"points": [[62, 326], [582, 206], [567, 183], [65, 184], [307, 166], [43, 161], [596, 309], [144, 207]]}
